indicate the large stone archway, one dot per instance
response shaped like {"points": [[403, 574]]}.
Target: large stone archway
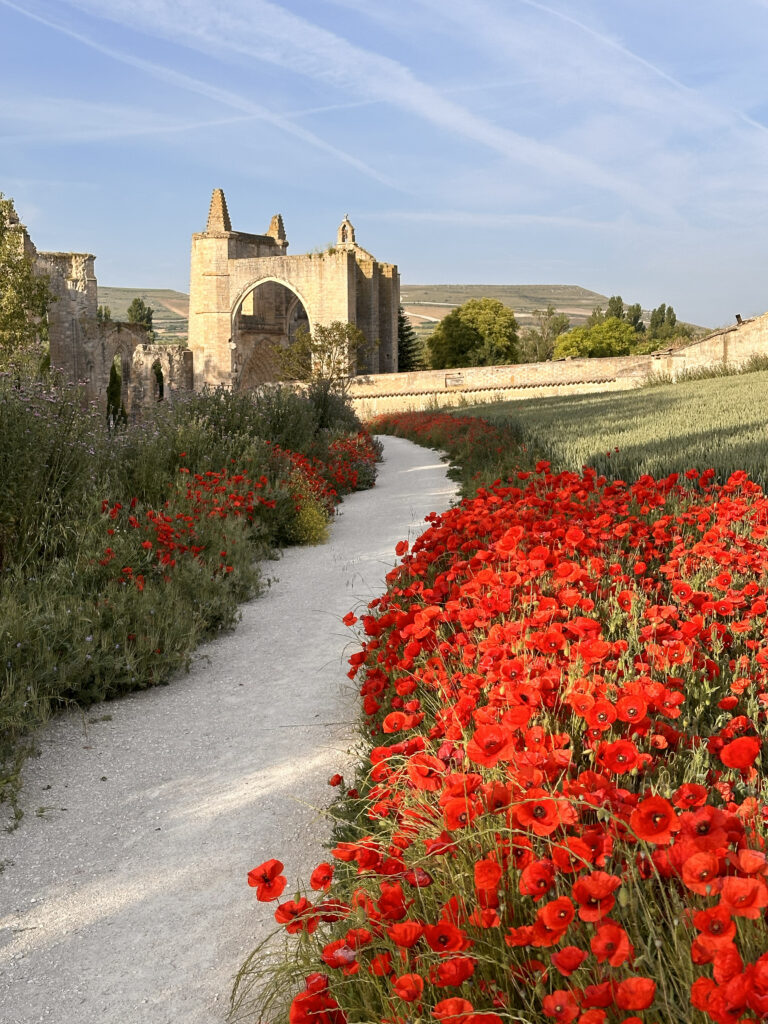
{"points": [[344, 283], [265, 318]]}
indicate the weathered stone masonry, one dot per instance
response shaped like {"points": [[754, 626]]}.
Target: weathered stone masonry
{"points": [[247, 295], [83, 349]]}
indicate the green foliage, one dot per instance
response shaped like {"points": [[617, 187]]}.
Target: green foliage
{"points": [[610, 337], [664, 325], [331, 354], [408, 348], [24, 295], [309, 525], [325, 360], [103, 314], [634, 316], [615, 308], [140, 313], [597, 316], [482, 332], [538, 342], [114, 395]]}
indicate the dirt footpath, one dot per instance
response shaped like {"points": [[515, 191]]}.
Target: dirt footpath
{"points": [[123, 894]]}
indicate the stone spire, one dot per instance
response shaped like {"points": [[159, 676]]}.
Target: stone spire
{"points": [[277, 228], [218, 214]]}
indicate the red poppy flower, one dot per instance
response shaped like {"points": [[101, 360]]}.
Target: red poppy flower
{"points": [[445, 937], [297, 916], [453, 1011], [654, 820], [267, 880], [700, 871], [487, 874], [716, 926], [453, 972], [572, 855], [490, 744], [689, 795], [339, 954], [741, 753], [426, 772], [405, 933], [557, 914], [543, 814], [392, 904], [561, 1006], [568, 959], [635, 993], [594, 894], [321, 877], [537, 878], [611, 943], [408, 987], [618, 757], [744, 897]]}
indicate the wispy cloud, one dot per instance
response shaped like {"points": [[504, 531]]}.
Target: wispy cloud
{"points": [[613, 44], [224, 96], [264, 31], [52, 118], [496, 221]]}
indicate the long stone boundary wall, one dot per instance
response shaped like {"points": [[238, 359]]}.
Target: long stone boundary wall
{"points": [[400, 392]]}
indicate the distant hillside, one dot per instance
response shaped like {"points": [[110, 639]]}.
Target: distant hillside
{"points": [[425, 304], [171, 309]]}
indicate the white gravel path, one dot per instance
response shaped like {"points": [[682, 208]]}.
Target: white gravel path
{"points": [[123, 898]]}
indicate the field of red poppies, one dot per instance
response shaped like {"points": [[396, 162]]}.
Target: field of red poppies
{"points": [[563, 812]]}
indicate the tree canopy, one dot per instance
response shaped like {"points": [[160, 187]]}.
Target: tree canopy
{"points": [[140, 313], [621, 331], [611, 337], [481, 332], [538, 342], [24, 294]]}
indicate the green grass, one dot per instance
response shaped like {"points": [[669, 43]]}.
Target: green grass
{"points": [[719, 423]]}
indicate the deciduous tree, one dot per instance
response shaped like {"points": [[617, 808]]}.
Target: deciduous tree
{"points": [[538, 342], [612, 337], [481, 332]]}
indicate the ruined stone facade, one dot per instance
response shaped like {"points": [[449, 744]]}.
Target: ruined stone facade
{"points": [[247, 296], [84, 349]]}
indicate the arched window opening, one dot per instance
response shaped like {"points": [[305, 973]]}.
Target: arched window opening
{"points": [[265, 322], [116, 414], [157, 370]]}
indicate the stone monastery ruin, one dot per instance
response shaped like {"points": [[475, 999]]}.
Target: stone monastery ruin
{"points": [[247, 296]]}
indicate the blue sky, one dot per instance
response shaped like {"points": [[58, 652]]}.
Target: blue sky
{"points": [[621, 145]]}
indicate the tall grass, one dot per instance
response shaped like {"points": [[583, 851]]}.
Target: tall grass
{"points": [[717, 423]]}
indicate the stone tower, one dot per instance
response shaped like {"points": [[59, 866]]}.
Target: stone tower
{"points": [[247, 297]]}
